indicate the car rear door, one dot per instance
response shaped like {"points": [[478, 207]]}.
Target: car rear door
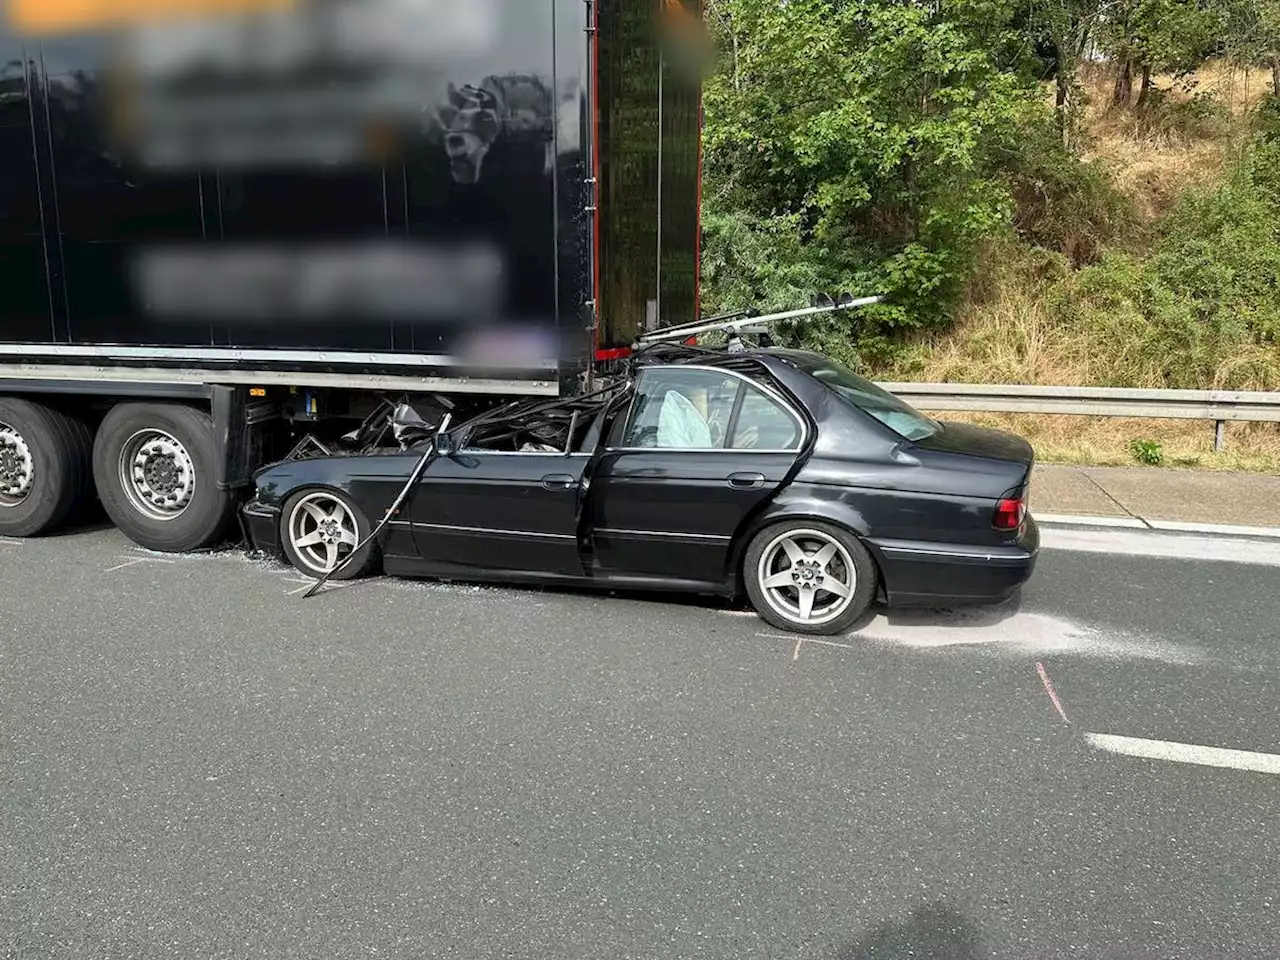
{"points": [[482, 511], [700, 449]]}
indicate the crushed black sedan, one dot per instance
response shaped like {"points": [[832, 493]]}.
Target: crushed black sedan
{"points": [[773, 473]]}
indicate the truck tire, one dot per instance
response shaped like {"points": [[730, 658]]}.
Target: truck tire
{"points": [[44, 467], [154, 464]]}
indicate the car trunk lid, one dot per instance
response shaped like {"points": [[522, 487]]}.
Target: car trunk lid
{"points": [[1011, 483], [965, 438]]}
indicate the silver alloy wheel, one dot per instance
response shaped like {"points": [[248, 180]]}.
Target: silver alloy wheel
{"points": [[157, 474], [17, 470], [807, 576], [322, 531]]}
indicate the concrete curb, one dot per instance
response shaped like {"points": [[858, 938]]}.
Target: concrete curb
{"points": [[1167, 526], [1072, 520]]}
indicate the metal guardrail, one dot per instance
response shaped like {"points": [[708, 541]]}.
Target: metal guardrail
{"points": [[1216, 405]]}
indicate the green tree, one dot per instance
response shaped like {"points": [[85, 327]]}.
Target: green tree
{"points": [[857, 144], [1152, 36], [1071, 28], [1251, 33]]}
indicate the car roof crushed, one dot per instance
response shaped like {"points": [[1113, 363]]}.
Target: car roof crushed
{"points": [[559, 426], [527, 424]]}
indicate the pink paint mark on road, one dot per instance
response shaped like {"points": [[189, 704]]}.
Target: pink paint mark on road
{"points": [[1048, 688]]}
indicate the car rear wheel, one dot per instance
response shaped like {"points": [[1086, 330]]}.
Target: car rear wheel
{"points": [[320, 529], [44, 467], [809, 577]]}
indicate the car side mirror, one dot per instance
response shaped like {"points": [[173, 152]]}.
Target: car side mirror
{"points": [[445, 446]]}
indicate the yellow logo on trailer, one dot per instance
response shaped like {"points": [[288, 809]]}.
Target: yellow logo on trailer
{"points": [[64, 16]]}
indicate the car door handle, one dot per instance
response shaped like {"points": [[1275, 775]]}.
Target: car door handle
{"points": [[746, 481], [558, 481]]}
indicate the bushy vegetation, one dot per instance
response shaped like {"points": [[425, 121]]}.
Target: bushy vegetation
{"points": [[995, 168], [1202, 307]]}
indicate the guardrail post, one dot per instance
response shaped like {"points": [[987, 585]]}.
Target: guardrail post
{"points": [[1219, 435]]}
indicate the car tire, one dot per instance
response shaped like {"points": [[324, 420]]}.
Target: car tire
{"points": [[44, 467], [155, 466], [790, 568], [316, 520]]}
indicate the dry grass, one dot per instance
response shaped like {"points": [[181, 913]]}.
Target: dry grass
{"points": [[1153, 157], [1104, 441], [1010, 339], [1006, 334]]}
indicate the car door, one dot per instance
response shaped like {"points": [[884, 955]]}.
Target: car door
{"points": [[700, 449], [500, 513]]}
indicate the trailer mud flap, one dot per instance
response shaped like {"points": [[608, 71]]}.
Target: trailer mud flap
{"points": [[231, 436]]}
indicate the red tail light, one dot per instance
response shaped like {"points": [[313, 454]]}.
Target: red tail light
{"points": [[1010, 512]]}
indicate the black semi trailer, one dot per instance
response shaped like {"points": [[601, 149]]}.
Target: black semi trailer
{"points": [[227, 223]]}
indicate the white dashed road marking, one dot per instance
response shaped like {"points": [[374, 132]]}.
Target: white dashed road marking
{"points": [[1185, 753]]}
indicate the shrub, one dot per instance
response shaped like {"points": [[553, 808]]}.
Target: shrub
{"points": [[858, 147], [1062, 203], [1147, 451], [1203, 309], [751, 261], [1267, 120]]}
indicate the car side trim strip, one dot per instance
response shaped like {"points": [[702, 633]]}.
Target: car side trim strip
{"points": [[711, 537], [975, 555], [451, 528], [719, 538], [666, 450]]}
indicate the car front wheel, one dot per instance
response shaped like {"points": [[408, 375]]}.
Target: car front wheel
{"points": [[809, 577], [320, 529]]}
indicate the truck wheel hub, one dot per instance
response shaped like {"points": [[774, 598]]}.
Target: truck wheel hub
{"points": [[157, 474], [162, 473], [16, 468]]}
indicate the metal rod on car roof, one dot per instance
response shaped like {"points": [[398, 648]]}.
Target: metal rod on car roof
{"points": [[688, 330], [573, 426]]}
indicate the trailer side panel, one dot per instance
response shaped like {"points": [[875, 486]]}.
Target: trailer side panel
{"points": [[380, 179]]}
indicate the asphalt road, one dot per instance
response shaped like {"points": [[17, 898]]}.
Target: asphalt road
{"points": [[196, 762]]}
